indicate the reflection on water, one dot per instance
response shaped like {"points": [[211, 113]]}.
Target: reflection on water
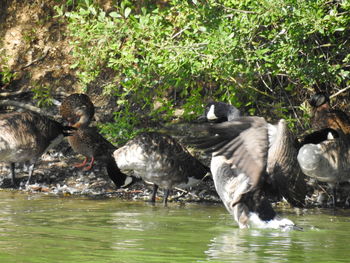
{"points": [[249, 245], [324, 239], [43, 229]]}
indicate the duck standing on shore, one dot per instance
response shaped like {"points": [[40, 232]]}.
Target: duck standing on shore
{"points": [[78, 110], [325, 153]]}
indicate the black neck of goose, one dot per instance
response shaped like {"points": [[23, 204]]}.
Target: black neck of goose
{"points": [[114, 173]]}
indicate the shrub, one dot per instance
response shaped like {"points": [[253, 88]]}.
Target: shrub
{"points": [[265, 56]]}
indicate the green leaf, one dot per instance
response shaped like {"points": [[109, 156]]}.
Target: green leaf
{"points": [[115, 15], [127, 12]]}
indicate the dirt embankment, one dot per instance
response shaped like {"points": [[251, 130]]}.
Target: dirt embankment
{"points": [[36, 52], [34, 46]]}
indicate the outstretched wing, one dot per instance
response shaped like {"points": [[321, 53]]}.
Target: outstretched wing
{"points": [[243, 142]]}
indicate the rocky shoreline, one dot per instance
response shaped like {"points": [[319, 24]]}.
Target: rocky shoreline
{"points": [[55, 175]]}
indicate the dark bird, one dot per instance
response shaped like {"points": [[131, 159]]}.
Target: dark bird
{"points": [[324, 153], [79, 110], [26, 136], [253, 161], [328, 160], [220, 112], [323, 116], [318, 136], [92, 145], [161, 160]]}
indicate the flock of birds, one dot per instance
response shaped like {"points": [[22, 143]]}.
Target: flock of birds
{"points": [[252, 160]]}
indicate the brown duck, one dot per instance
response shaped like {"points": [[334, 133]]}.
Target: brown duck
{"points": [[25, 136], [80, 103], [79, 110], [323, 116]]}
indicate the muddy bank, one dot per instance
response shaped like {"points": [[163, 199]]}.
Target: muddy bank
{"points": [[55, 174]]}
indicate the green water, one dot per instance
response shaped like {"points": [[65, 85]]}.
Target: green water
{"points": [[36, 228]]}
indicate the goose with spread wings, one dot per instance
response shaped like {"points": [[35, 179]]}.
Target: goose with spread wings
{"points": [[252, 162]]}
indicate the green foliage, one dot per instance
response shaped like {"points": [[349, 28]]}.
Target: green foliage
{"points": [[6, 74], [43, 95], [124, 130], [29, 35], [258, 55]]}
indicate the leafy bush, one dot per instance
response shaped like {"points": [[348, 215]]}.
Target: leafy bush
{"points": [[265, 56], [6, 74], [42, 95]]}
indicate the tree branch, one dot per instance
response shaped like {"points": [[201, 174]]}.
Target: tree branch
{"points": [[339, 92]]}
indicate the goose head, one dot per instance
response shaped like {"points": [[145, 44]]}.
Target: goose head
{"points": [[80, 119], [221, 112]]}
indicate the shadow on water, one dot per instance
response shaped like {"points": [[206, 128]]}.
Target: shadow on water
{"points": [[45, 229]]}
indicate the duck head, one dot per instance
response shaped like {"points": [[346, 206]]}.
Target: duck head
{"points": [[77, 109], [79, 119]]}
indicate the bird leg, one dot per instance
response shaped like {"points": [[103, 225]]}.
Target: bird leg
{"points": [[13, 176], [90, 165], [154, 193], [79, 165], [334, 200], [31, 169], [166, 195]]}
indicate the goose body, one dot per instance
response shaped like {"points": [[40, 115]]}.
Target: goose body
{"points": [[327, 161], [161, 160], [324, 154], [252, 161], [25, 136], [87, 141]]}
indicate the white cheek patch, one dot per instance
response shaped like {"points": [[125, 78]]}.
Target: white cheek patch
{"points": [[211, 113]]}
